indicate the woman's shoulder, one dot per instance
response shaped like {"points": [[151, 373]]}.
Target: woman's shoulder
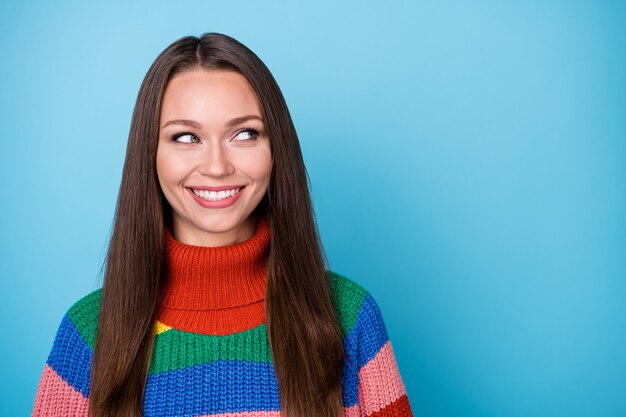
{"points": [[349, 297], [344, 287]]}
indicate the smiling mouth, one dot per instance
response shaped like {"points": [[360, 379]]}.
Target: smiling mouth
{"points": [[216, 195]]}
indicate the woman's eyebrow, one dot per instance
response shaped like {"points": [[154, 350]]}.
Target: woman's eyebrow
{"points": [[192, 123], [239, 120]]}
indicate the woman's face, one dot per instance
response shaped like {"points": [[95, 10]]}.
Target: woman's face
{"points": [[212, 135]]}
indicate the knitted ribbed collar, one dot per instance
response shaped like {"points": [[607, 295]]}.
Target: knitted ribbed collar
{"points": [[216, 290]]}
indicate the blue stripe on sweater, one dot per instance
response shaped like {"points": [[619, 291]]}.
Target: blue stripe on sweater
{"points": [[70, 356], [350, 380], [217, 387], [225, 386]]}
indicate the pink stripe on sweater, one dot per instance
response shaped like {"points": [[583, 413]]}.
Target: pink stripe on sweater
{"points": [[380, 383], [55, 397], [353, 411]]}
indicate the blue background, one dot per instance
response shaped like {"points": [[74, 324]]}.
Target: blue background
{"points": [[467, 163]]}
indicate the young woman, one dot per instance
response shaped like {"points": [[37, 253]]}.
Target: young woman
{"points": [[217, 298]]}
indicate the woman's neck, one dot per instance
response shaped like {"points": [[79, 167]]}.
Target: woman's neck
{"points": [[185, 232]]}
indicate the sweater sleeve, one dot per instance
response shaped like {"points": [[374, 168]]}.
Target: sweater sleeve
{"points": [[64, 384], [381, 390]]}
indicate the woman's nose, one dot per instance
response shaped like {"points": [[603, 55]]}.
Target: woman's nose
{"points": [[216, 162]]}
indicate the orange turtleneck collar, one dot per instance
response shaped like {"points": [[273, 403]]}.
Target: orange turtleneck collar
{"points": [[216, 290]]}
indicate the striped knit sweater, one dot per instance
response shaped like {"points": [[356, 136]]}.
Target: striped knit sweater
{"points": [[211, 355]]}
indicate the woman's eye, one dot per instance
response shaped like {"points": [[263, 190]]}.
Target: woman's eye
{"points": [[248, 134], [188, 138]]}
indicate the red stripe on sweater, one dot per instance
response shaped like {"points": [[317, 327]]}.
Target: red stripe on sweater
{"points": [[398, 408]]}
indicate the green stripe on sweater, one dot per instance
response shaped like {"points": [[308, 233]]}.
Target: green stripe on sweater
{"points": [[176, 349]]}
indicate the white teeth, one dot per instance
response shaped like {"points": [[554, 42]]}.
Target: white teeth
{"points": [[215, 195]]}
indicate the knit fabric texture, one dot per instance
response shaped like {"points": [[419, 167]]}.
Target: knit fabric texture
{"points": [[211, 355]]}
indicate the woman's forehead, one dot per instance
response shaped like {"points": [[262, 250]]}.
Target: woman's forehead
{"points": [[210, 97]]}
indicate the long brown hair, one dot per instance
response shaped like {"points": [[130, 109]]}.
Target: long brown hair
{"points": [[305, 338]]}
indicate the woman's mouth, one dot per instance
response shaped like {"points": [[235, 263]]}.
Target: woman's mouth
{"points": [[215, 195], [216, 199]]}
